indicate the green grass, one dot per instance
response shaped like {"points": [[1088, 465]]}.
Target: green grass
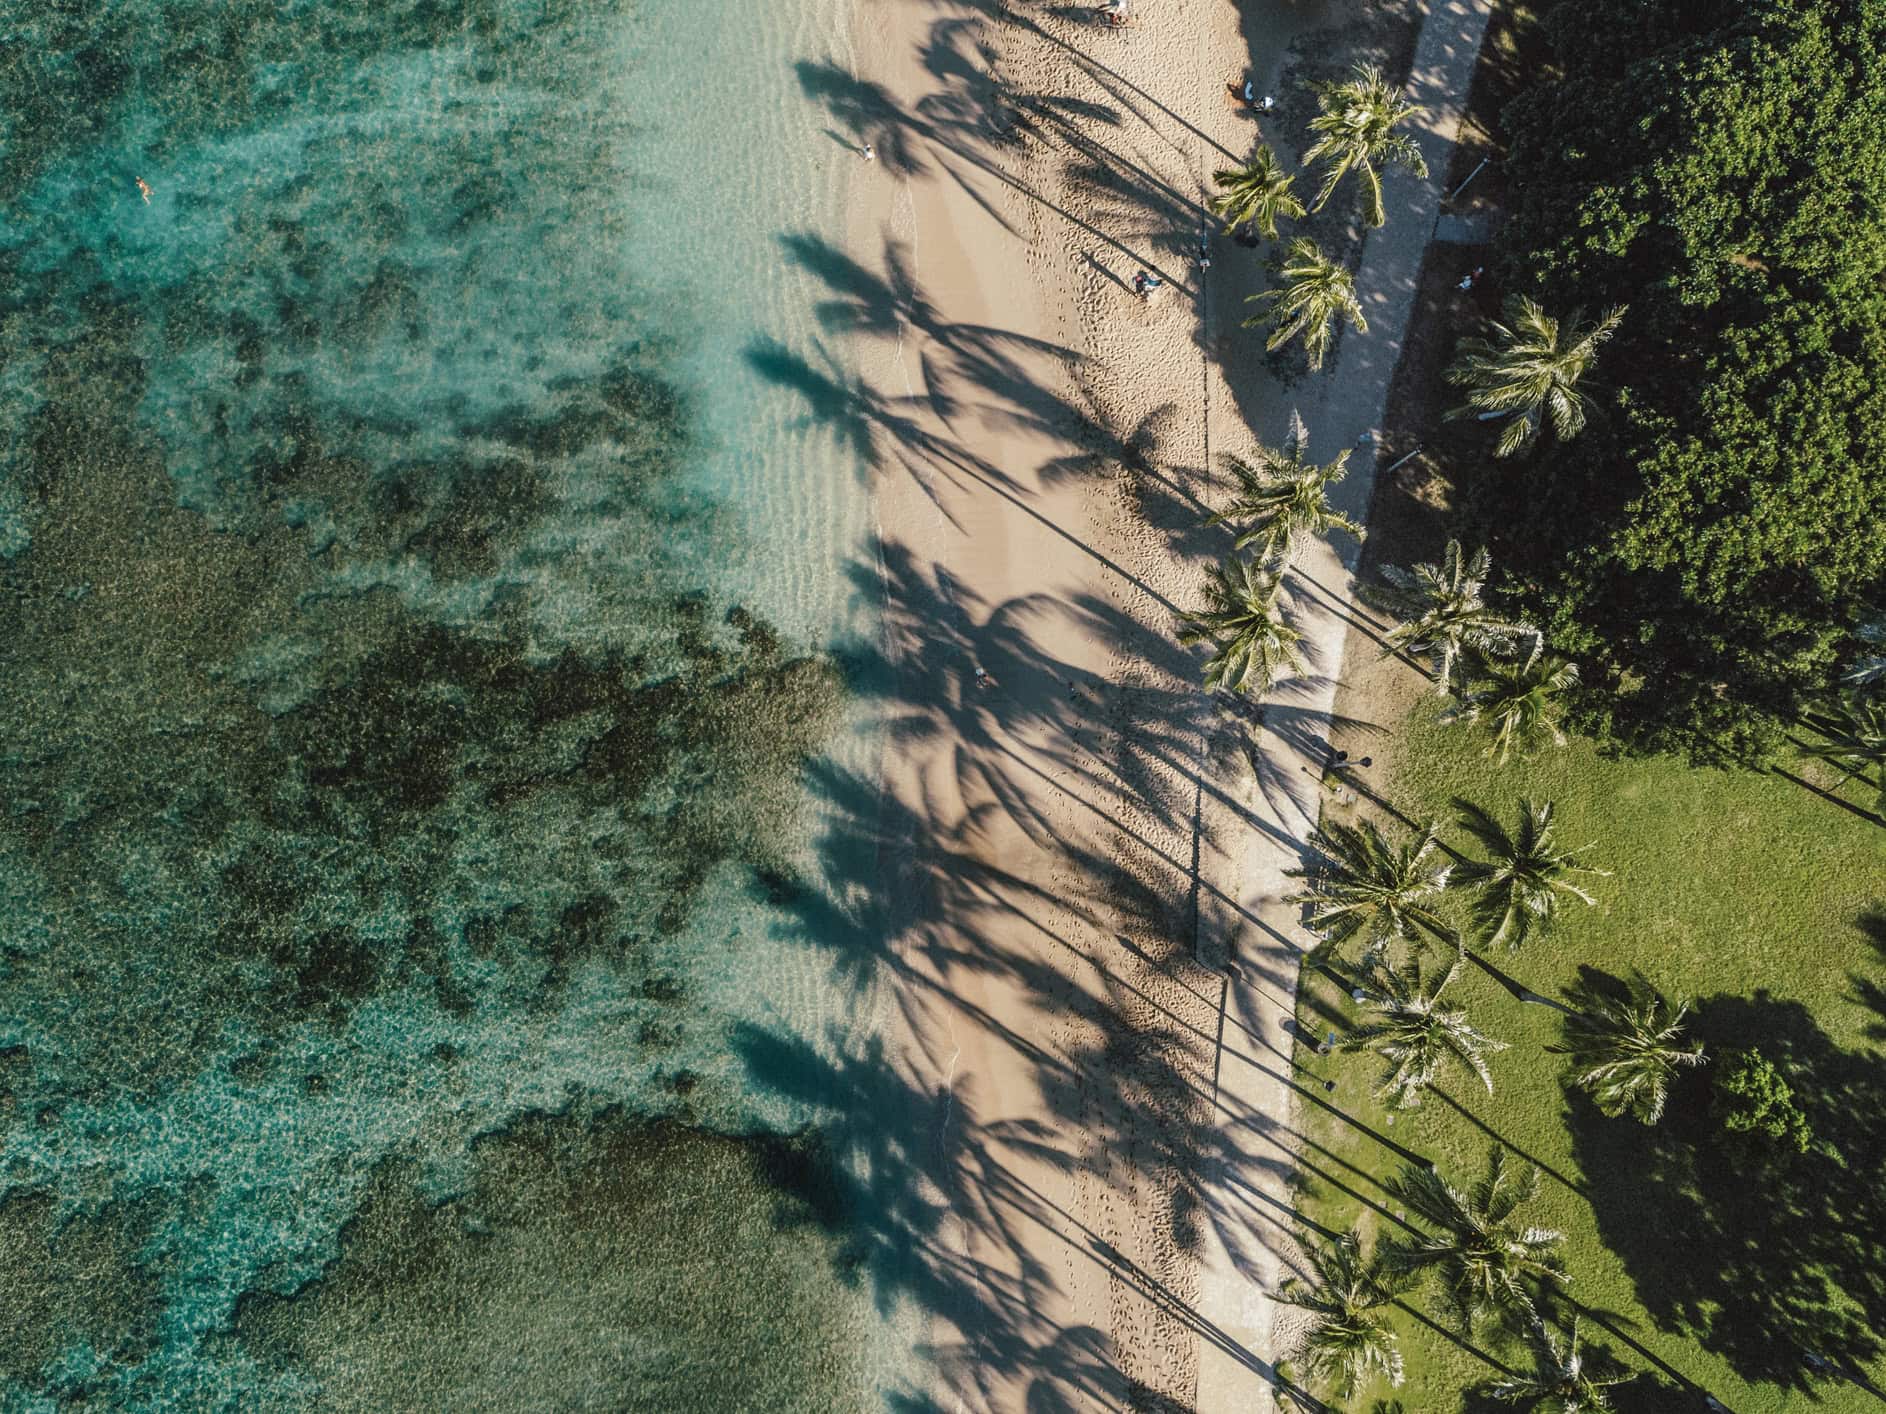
{"points": [[1748, 893]]}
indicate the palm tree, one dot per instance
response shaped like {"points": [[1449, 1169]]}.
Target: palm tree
{"points": [[1563, 1381], [1359, 883], [1350, 1343], [1444, 611], [1524, 878], [1258, 192], [1254, 645], [1626, 1052], [1415, 1035], [1356, 133], [1316, 292], [1520, 699], [1869, 673], [1852, 728], [1527, 370], [1284, 497], [1482, 1257]]}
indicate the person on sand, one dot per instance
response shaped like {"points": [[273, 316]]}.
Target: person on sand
{"points": [[983, 680], [868, 152]]}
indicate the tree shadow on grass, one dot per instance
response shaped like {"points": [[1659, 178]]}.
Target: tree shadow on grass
{"points": [[1778, 1266]]}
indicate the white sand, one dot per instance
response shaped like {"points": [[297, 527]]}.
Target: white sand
{"points": [[1109, 1173]]}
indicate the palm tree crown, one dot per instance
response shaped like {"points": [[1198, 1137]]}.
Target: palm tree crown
{"points": [[1316, 292], [1526, 370], [1520, 699], [1416, 1035], [1285, 498], [1350, 1344], [1524, 877], [1258, 192], [1356, 133], [1563, 1381], [1482, 1256], [1852, 728], [1254, 645], [1359, 883], [1444, 611], [1626, 1052], [1869, 673]]}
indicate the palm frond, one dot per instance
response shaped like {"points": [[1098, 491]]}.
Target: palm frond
{"points": [[1254, 645], [1626, 1052]]}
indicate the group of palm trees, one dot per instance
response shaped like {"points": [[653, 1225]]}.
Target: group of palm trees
{"points": [[1483, 1257], [1524, 371], [1385, 900], [1355, 130], [1389, 896]]}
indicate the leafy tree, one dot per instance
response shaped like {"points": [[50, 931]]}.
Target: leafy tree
{"points": [[1416, 1035], [1852, 731], [1521, 700], [1524, 877], [1284, 498], [1350, 1343], [1356, 133], [1563, 1380], [1358, 884], [1445, 611], [1626, 1052], [1755, 1105], [1721, 169], [1254, 645], [1315, 293], [1480, 1253], [1526, 371], [1258, 192]]}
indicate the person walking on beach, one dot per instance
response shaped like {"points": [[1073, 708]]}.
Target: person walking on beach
{"points": [[868, 152]]}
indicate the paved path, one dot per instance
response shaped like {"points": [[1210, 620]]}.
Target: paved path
{"points": [[1247, 1248]]}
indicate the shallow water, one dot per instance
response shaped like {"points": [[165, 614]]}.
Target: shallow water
{"points": [[416, 617]]}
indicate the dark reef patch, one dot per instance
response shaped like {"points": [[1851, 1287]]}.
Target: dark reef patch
{"points": [[580, 1263]]}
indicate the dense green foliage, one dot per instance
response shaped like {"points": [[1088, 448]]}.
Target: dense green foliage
{"points": [[1754, 1102], [1706, 548]]}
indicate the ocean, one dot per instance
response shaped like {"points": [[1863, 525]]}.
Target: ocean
{"points": [[438, 967]]}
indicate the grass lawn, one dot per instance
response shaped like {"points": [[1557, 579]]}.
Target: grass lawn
{"points": [[1765, 903]]}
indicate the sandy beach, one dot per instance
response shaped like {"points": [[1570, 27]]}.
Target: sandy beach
{"points": [[1093, 965]]}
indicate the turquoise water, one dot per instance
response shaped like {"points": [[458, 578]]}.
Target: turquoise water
{"points": [[417, 619]]}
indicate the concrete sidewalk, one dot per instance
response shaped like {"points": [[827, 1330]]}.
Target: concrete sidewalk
{"points": [[1257, 1093]]}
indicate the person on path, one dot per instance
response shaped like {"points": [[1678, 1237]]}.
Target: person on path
{"points": [[1467, 281]]}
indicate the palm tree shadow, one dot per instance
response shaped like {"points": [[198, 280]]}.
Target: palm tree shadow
{"points": [[1764, 1262]]}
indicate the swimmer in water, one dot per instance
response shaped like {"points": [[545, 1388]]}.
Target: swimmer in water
{"points": [[144, 189]]}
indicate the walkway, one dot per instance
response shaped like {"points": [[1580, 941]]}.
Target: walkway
{"points": [[1262, 932]]}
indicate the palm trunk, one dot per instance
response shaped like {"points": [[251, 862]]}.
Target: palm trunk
{"points": [[1517, 988]]}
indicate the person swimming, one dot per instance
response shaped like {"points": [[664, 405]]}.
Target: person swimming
{"points": [[144, 189]]}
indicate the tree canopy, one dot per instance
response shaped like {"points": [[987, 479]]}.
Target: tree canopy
{"points": [[1707, 548]]}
